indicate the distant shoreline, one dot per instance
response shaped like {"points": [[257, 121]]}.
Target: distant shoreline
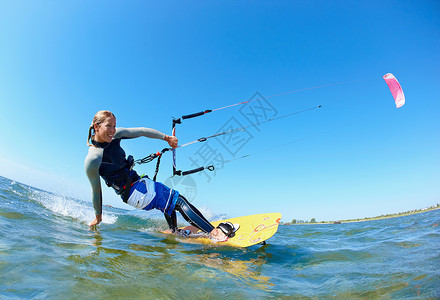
{"points": [[382, 217]]}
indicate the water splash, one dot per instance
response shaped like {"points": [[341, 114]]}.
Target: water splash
{"points": [[59, 204]]}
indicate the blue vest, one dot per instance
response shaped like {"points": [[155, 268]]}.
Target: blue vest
{"points": [[115, 169]]}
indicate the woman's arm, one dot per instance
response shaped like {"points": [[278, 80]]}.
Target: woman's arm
{"points": [[91, 166], [147, 132], [138, 132]]}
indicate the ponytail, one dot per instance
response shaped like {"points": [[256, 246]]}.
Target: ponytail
{"points": [[89, 138]]}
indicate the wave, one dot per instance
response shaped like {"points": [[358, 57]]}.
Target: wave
{"points": [[59, 204], [83, 211]]}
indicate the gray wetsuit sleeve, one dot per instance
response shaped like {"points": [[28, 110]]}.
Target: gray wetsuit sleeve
{"points": [[138, 132], [91, 165]]}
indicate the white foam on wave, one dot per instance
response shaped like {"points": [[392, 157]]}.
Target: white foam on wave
{"points": [[68, 207]]}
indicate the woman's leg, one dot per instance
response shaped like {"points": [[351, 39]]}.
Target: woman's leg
{"points": [[172, 221], [192, 215]]}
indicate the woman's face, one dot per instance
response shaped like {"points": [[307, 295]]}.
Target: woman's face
{"points": [[105, 131]]}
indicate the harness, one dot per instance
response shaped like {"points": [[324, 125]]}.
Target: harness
{"points": [[122, 182], [116, 170]]}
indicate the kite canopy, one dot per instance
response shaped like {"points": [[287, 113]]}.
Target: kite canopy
{"points": [[396, 89]]}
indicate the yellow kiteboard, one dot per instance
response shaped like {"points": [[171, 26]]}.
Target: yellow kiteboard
{"points": [[253, 230]]}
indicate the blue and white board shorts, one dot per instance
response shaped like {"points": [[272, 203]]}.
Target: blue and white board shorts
{"points": [[147, 194]]}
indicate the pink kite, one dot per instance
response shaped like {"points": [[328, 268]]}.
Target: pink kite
{"points": [[395, 89]]}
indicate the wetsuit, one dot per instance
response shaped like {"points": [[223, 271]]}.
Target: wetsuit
{"points": [[109, 161]]}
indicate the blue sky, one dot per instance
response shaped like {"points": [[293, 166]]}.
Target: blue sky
{"points": [[149, 61]]}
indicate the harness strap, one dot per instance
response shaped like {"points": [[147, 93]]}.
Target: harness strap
{"points": [[158, 155], [126, 189], [157, 167], [151, 157]]}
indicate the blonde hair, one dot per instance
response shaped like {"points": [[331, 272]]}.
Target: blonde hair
{"points": [[99, 117]]}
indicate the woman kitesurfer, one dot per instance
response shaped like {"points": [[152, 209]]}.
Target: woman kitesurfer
{"points": [[107, 159]]}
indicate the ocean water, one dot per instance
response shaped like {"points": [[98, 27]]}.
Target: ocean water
{"points": [[47, 251]]}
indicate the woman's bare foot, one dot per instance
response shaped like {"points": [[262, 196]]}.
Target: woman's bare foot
{"points": [[217, 234]]}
